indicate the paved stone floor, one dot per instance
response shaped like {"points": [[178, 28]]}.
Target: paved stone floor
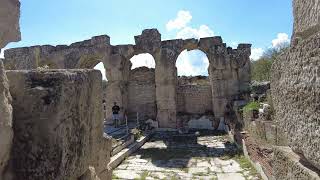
{"points": [[171, 156]]}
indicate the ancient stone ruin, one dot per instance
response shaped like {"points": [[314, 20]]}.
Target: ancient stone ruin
{"points": [[154, 93], [51, 112]]}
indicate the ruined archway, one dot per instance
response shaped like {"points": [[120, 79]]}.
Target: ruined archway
{"points": [[142, 88], [192, 63], [194, 95]]}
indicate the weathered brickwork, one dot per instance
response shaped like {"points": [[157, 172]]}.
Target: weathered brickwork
{"points": [[142, 94], [194, 99]]}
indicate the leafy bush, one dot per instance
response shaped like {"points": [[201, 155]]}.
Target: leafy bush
{"points": [[251, 106], [261, 69]]}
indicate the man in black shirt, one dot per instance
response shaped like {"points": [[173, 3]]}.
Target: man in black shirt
{"points": [[115, 114]]}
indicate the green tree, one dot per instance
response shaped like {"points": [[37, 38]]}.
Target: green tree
{"points": [[260, 69]]}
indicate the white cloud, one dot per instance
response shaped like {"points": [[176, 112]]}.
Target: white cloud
{"points": [[140, 60], [2, 53], [256, 53], [101, 68], [182, 19], [192, 63], [281, 41], [188, 32]]}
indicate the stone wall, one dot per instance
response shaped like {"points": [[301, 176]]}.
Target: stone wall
{"points": [[142, 94], [58, 124], [84, 54], [6, 133], [306, 19], [9, 32], [296, 82], [194, 99]]}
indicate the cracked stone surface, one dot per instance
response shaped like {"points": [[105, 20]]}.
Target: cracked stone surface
{"points": [[171, 156]]}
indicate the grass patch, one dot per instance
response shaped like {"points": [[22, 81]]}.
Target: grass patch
{"points": [[143, 176], [246, 166], [115, 176], [251, 106]]}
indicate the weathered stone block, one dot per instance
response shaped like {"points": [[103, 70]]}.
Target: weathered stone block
{"points": [[287, 166], [9, 22], [58, 123], [6, 133]]}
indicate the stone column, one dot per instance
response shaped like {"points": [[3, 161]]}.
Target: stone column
{"points": [[218, 79], [166, 78], [117, 72]]}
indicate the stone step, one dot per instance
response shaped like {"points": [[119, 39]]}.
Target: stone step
{"points": [[124, 153]]}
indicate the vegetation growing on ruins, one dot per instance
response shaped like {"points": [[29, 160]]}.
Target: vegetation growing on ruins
{"points": [[251, 106]]}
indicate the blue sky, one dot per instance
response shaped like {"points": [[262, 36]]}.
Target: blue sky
{"points": [[67, 21]]}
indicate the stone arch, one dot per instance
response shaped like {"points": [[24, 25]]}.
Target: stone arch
{"points": [[194, 92], [88, 62], [142, 59], [142, 88], [189, 58], [91, 61]]}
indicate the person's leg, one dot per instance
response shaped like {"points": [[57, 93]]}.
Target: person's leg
{"points": [[114, 120], [117, 120]]}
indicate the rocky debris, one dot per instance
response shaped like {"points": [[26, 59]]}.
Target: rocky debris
{"points": [[58, 124], [193, 80], [259, 88], [6, 132]]}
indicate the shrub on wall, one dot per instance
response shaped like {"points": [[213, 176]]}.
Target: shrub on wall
{"points": [[252, 106]]}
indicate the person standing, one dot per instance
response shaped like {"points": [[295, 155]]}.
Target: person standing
{"points": [[115, 114]]}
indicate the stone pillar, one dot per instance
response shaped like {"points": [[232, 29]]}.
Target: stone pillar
{"points": [[166, 80], [219, 81], [117, 72]]}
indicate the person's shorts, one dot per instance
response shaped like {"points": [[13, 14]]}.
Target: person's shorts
{"points": [[115, 116]]}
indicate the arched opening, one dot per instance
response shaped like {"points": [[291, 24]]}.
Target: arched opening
{"points": [[142, 60], [100, 67], [141, 88], [192, 63], [194, 96]]}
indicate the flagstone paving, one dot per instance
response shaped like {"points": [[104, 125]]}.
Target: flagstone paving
{"points": [[170, 156]]}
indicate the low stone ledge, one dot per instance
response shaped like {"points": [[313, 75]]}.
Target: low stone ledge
{"points": [[288, 165]]}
